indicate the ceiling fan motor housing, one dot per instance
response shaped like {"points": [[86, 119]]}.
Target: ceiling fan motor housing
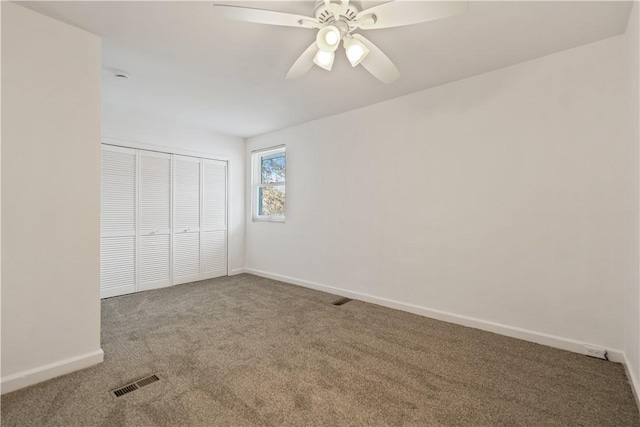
{"points": [[326, 15]]}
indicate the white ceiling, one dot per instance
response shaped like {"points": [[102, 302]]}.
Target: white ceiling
{"points": [[228, 76]]}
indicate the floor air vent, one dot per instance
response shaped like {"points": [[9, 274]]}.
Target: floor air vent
{"points": [[342, 301], [146, 381], [134, 386]]}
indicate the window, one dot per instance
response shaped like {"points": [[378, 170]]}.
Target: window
{"points": [[268, 175]]}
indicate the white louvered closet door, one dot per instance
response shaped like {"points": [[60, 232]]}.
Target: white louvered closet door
{"points": [[154, 228], [214, 219], [118, 222], [187, 183]]}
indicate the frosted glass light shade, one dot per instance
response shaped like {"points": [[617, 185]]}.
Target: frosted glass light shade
{"points": [[324, 59], [332, 38], [356, 51], [328, 38]]}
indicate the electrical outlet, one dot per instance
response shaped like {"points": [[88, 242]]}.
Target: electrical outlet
{"points": [[593, 351]]}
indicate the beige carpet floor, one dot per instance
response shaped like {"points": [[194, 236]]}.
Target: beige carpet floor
{"points": [[245, 350]]}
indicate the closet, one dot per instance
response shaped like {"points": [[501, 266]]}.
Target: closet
{"points": [[164, 220]]}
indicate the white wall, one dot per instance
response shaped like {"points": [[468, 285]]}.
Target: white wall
{"points": [[502, 201], [50, 198], [632, 295], [146, 131]]}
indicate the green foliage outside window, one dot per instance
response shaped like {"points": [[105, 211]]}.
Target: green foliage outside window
{"points": [[271, 199]]}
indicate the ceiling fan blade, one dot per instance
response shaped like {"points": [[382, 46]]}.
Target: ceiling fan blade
{"points": [[377, 63], [270, 17], [303, 63], [399, 13]]}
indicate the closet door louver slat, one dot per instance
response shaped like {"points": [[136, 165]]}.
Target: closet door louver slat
{"points": [[155, 220], [118, 222], [214, 229], [186, 222]]}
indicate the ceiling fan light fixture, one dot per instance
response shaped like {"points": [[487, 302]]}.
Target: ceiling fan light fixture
{"points": [[328, 38], [324, 59], [336, 20], [332, 38], [356, 51]]}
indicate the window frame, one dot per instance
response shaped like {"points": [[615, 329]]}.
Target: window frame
{"points": [[256, 184]]}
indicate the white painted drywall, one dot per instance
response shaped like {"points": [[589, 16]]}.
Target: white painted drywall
{"points": [[632, 295], [133, 129], [505, 197], [50, 197]]}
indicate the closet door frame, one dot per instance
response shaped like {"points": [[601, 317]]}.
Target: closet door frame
{"points": [[135, 145]]}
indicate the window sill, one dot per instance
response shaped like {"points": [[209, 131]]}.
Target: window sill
{"points": [[268, 219]]}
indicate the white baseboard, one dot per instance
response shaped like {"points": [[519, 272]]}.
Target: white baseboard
{"points": [[633, 379], [237, 271], [498, 328], [52, 370]]}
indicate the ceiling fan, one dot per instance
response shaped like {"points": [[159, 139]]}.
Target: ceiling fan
{"points": [[338, 20]]}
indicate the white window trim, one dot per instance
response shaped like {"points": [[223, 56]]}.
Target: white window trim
{"points": [[255, 184]]}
